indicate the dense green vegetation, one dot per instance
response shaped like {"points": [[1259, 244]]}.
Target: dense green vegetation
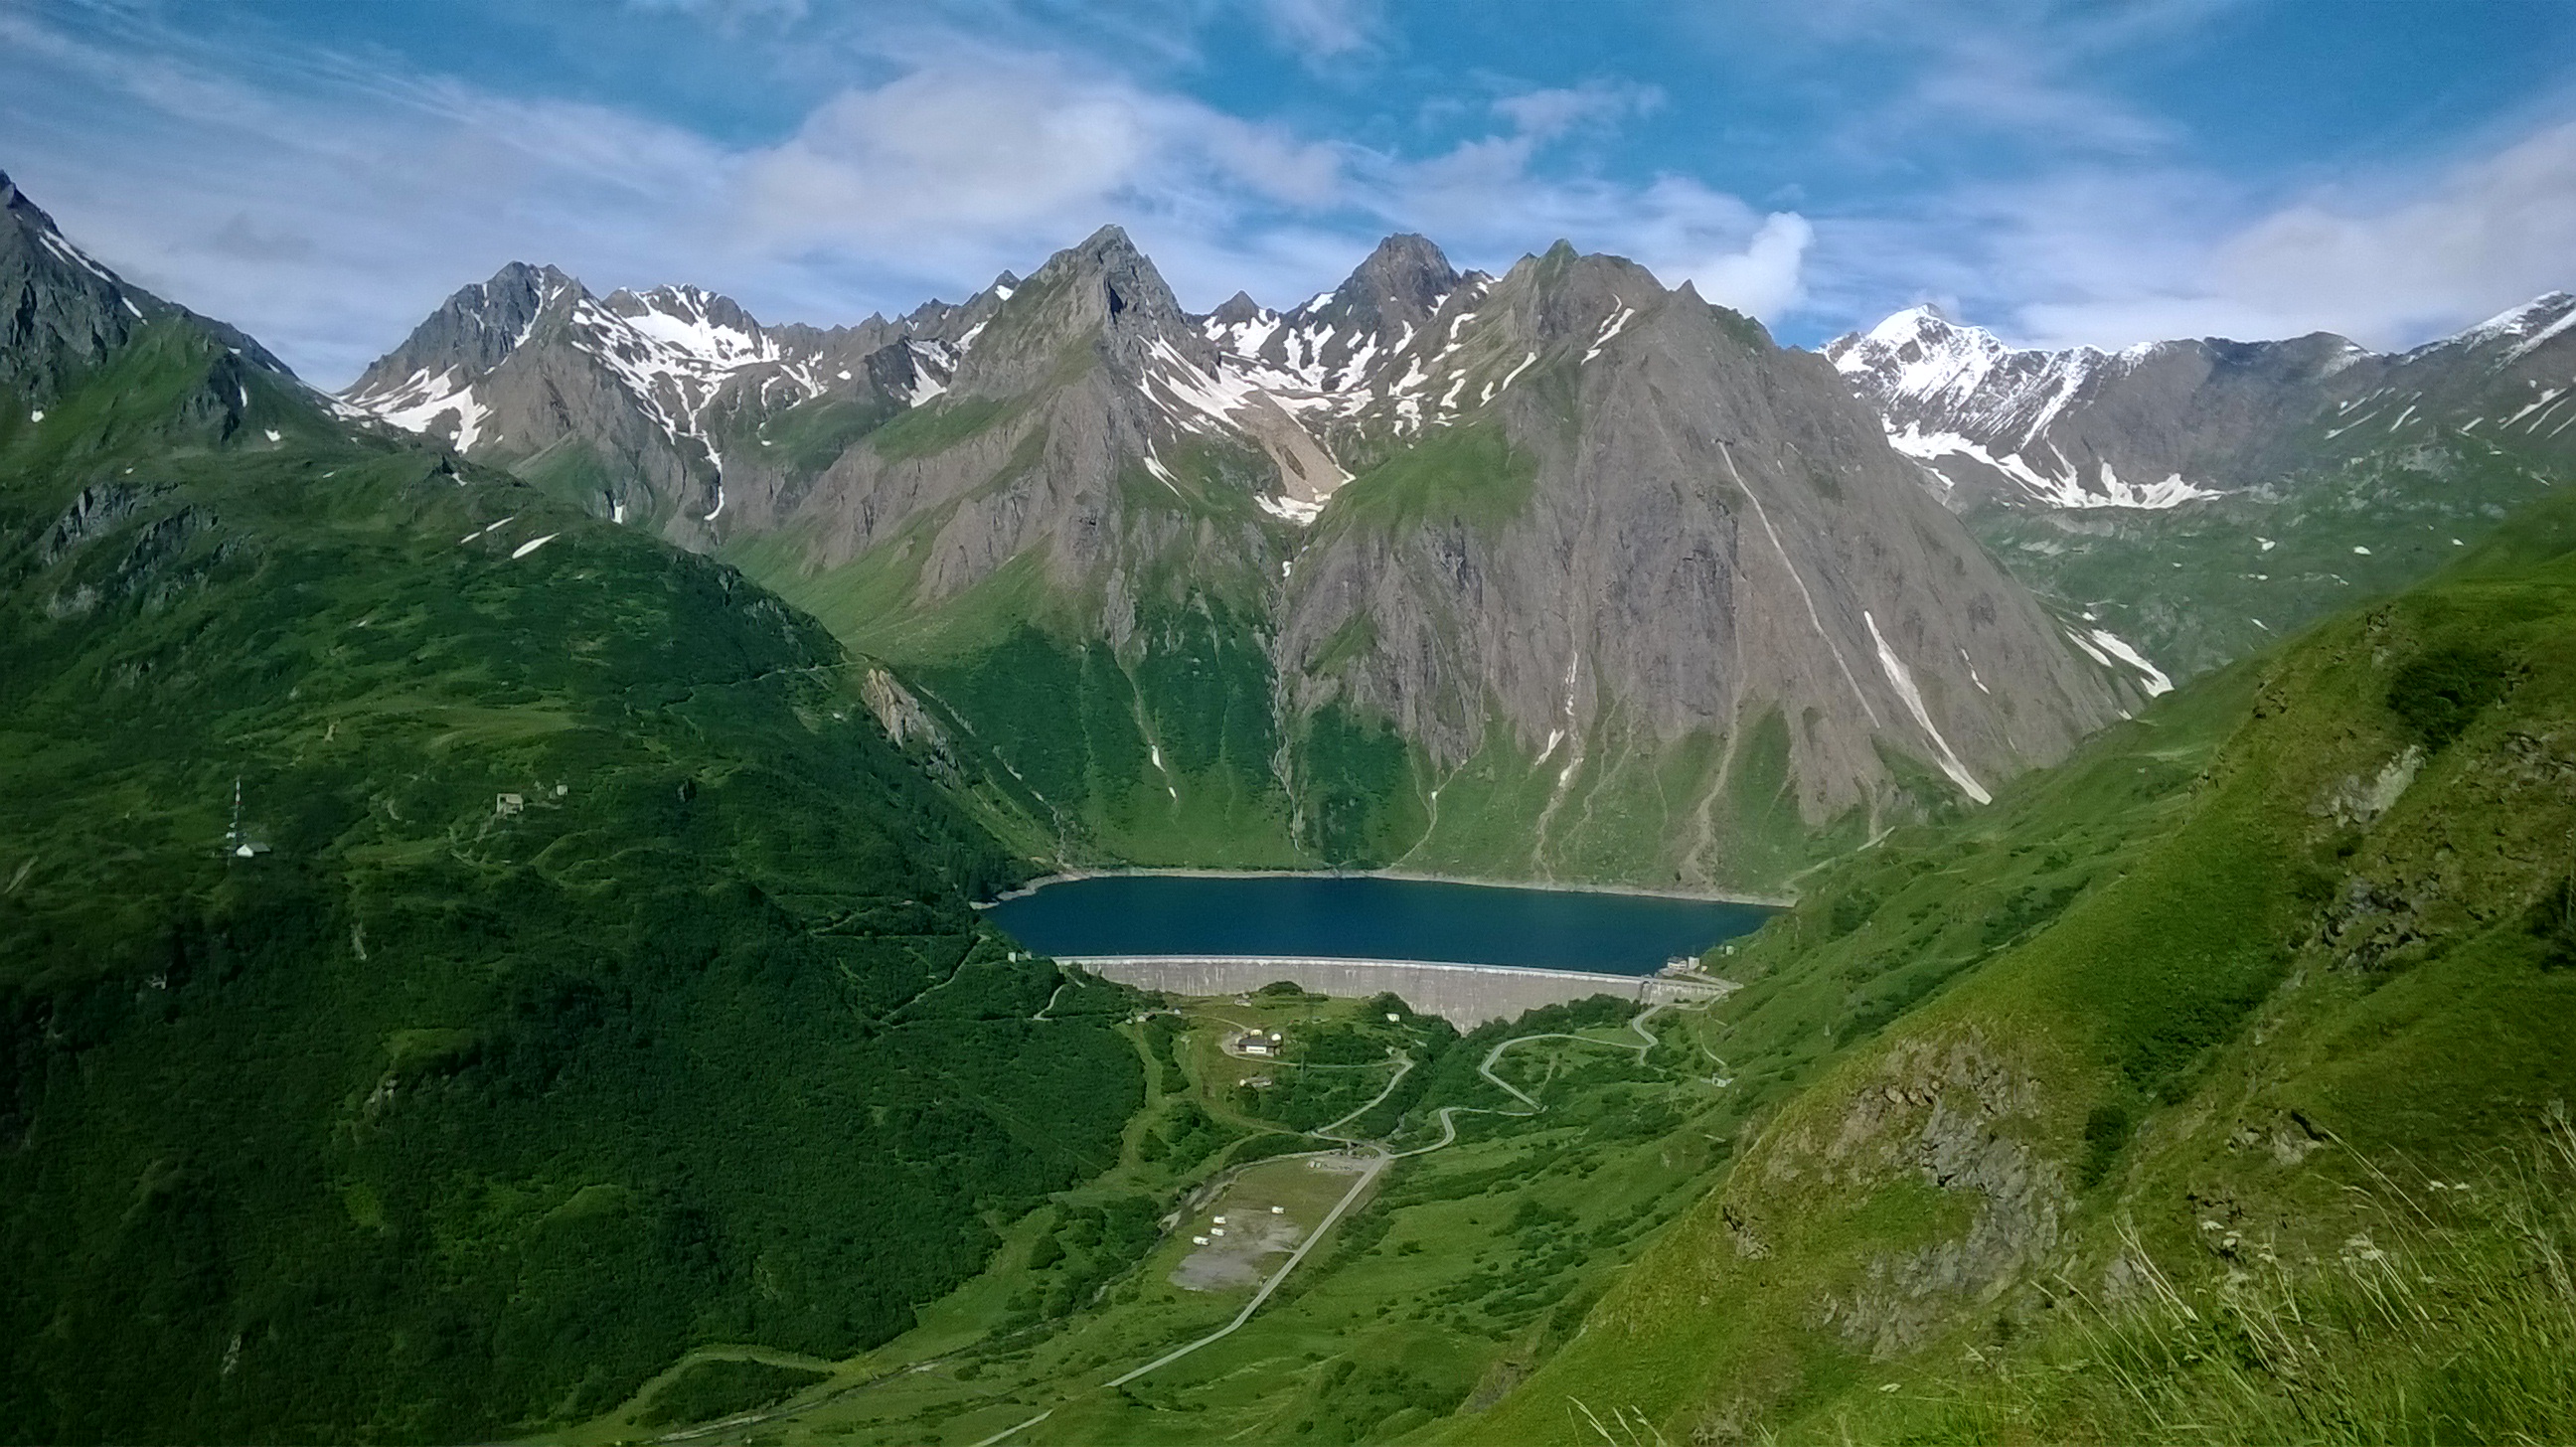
{"points": [[603, 985]]}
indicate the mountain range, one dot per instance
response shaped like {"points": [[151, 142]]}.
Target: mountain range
{"points": [[1614, 589], [1558, 573]]}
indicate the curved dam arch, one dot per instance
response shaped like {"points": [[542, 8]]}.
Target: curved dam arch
{"points": [[1466, 995]]}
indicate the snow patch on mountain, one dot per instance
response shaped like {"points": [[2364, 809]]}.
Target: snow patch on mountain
{"points": [[2112, 651], [1900, 678], [2066, 489]]}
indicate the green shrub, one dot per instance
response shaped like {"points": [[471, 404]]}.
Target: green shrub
{"points": [[704, 1391], [2106, 1130], [2437, 695]]}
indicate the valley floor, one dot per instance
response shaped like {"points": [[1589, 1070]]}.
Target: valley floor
{"points": [[1385, 1267]]}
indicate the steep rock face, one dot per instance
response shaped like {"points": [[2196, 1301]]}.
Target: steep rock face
{"points": [[62, 313], [1353, 363], [1052, 437], [1703, 530]]}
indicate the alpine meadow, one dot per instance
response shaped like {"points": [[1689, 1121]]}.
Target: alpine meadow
{"points": [[1454, 765]]}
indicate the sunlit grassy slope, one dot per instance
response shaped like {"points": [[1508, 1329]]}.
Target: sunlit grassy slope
{"points": [[2163, 1046], [603, 982]]}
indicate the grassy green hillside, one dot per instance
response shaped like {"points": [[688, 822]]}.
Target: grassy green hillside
{"points": [[603, 986], [2205, 1086]]}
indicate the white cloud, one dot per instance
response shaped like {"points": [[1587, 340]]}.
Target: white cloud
{"points": [[1545, 114], [950, 151], [730, 13], [1322, 29], [2484, 235], [1483, 199], [2418, 256], [962, 171], [1764, 279]]}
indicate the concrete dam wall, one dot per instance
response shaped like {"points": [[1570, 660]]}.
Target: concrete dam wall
{"points": [[1464, 995]]}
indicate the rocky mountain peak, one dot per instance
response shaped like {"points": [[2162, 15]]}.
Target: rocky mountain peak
{"points": [[1104, 287], [1236, 310], [65, 311], [474, 330], [1915, 320], [1915, 350], [2521, 330], [700, 323], [1572, 295], [689, 304], [1403, 280], [23, 210]]}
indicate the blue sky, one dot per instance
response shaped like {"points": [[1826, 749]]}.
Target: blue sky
{"points": [[323, 173]]}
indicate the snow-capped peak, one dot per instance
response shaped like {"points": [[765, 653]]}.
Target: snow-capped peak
{"points": [[699, 324], [1913, 324], [2517, 321]]}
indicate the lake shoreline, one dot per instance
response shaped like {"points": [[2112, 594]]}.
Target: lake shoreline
{"points": [[1411, 876]]}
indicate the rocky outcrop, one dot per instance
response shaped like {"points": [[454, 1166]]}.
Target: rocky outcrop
{"points": [[1960, 1116]]}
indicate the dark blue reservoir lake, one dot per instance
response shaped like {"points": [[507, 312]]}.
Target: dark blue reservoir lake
{"points": [[1369, 917]]}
